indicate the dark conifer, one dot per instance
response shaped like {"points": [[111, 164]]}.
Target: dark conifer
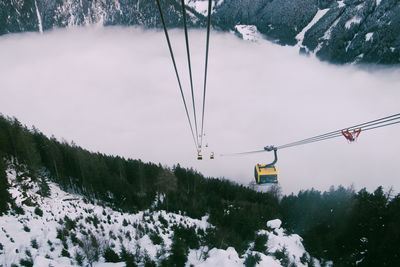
{"points": [[5, 196]]}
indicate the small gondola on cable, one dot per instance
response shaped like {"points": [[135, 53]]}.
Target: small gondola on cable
{"points": [[199, 155], [267, 173]]}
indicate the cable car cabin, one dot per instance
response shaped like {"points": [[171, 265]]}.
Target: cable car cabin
{"points": [[212, 155], [266, 174], [199, 157]]}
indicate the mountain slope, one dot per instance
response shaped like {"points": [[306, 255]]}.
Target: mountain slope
{"points": [[37, 15], [365, 31], [226, 220], [346, 31], [64, 229]]}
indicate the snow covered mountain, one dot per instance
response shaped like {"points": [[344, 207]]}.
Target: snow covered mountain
{"points": [[57, 228], [342, 31], [336, 31]]}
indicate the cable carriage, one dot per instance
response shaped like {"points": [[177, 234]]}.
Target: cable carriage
{"points": [[212, 155], [267, 173], [351, 137], [199, 156]]}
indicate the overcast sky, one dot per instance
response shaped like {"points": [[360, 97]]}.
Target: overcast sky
{"points": [[114, 90]]}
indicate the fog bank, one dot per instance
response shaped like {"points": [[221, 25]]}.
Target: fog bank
{"points": [[114, 90]]}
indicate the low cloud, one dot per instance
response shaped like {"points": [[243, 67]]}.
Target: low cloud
{"points": [[114, 90]]}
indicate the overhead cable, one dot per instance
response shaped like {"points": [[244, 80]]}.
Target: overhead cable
{"points": [[338, 133], [370, 125], [189, 66], [206, 68], [176, 71]]}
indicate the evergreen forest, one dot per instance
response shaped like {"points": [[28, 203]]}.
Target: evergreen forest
{"points": [[341, 225]]}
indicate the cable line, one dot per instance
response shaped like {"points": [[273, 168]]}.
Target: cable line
{"points": [[381, 126], [205, 69], [374, 124], [339, 131], [190, 66], [176, 71]]}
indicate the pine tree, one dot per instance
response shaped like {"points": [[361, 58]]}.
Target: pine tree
{"points": [[44, 189], [5, 197], [178, 252]]}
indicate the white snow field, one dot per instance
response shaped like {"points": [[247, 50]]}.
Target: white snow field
{"points": [[36, 238]]}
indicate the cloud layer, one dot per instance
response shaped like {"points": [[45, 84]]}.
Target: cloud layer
{"points": [[114, 90]]}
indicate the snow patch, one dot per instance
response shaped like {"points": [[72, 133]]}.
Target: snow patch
{"points": [[328, 32], [200, 6], [39, 18], [274, 223], [220, 257], [118, 6], [320, 13], [359, 57], [360, 6], [61, 262], [279, 241], [378, 2], [368, 36], [348, 45], [248, 32], [341, 3], [354, 20]]}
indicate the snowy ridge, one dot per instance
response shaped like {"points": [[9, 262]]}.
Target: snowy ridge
{"points": [[320, 13], [64, 229], [350, 22], [39, 18]]}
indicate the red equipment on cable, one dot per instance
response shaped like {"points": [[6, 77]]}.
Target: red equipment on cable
{"points": [[351, 137]]}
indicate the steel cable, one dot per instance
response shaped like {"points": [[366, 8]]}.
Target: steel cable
{"points": [[374, 124], [176, 71], [349, 128], [339, 132], [190, 66], [206, 68]]}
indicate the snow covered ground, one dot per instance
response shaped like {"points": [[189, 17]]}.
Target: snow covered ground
{"points": [[58, 231], [201, 6], [248, 32]]}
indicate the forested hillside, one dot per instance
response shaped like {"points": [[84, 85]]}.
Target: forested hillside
{"points": [[347, 227], [132, 185], [337, 31]]}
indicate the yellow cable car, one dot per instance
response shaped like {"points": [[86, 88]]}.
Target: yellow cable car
{"points": [[199, 156], [212, 155], [267, 173]]}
